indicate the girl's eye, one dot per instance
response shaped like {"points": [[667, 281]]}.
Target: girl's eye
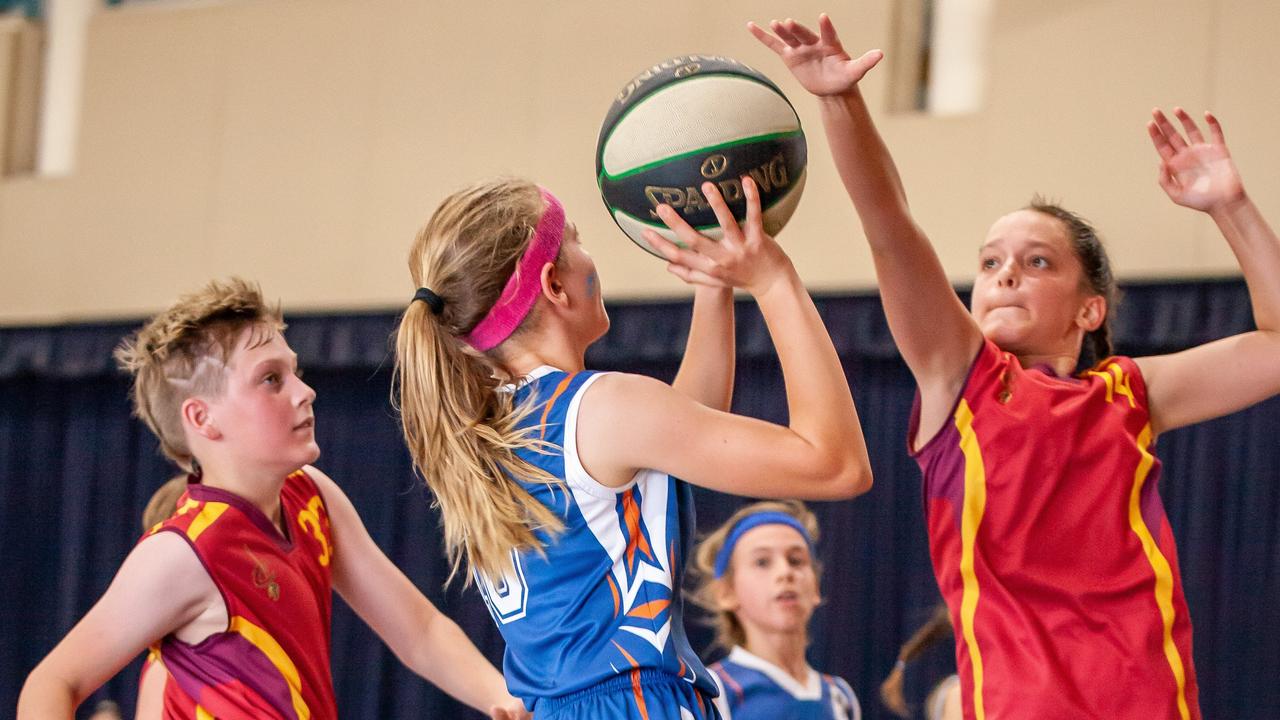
{"points": [[1039, 261], [797, 562], [988, 263], [762, 562], [271, 379]]}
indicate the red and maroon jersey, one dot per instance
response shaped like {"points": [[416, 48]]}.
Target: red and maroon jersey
{"points": [[1051, 547], [272, 661]]}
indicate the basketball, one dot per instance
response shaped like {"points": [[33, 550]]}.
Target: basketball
{"points": [[693, 119]]}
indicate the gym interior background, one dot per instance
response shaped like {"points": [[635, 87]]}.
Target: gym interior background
{"points": [[149, 146]]}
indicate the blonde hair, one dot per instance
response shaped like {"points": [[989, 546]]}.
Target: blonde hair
{"points": [[163, 501], [170, 357], [729, 630], [463, 432]]}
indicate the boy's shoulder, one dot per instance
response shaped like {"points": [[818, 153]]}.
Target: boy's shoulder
{"points": [[164, 577], [164, 551]]}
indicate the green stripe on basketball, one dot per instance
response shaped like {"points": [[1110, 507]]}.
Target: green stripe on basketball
{"points": [[700, 151]]}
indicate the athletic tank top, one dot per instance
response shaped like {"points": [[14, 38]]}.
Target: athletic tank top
{"points": [[605, 598], [1051, 546], [273, 659]]}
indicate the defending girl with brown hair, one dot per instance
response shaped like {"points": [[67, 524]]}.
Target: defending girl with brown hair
{"points": [[1048, 538]]}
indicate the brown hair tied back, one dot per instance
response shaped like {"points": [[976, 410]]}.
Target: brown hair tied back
{"points": [[1097, 276]]}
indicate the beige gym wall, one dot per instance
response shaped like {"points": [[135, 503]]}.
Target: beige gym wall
{"points": [[302, 142]]}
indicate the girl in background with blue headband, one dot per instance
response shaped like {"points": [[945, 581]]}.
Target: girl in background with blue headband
{"points": [[758, 575]]}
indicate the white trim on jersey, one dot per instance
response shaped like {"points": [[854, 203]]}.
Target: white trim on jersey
{"points": [[855, 706], [598, 505], [721, 701], [574, 473], [811, 690], [534, 374]]}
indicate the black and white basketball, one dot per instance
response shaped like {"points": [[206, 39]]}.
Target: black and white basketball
{"points": [[693, 119]]}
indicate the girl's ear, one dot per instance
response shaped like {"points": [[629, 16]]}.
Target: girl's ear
{"points": [[1092, 313], [552, 286]]}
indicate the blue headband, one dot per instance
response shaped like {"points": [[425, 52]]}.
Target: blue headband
{"points": [[754, 520]]}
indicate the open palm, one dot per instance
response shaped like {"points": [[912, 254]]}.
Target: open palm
{"points": [[818, 61], [1194, 172]]}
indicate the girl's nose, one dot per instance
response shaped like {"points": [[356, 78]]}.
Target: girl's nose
{"points": [[1008, 274]]}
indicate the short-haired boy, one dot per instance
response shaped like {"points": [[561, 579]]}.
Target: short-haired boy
{"points": [[234, 588]]}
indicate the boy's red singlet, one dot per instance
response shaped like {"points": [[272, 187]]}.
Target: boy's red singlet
{"points": [[1051, 547], [273, 659]]}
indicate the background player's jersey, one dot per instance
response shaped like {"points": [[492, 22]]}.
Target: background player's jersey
{"points": [[273, 659], [1052, 549], [752, 688], [605, 600]]}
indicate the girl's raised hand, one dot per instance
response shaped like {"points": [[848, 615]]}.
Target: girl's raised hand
{"points": [[818, 61], [1195, 172], [745, 257]]}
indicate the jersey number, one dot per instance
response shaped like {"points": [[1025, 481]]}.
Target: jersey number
{"points": [[508, 595], [309, 520]]}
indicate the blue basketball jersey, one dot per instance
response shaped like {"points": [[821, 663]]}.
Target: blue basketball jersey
{"points": [[604, 600], [752, 687]]}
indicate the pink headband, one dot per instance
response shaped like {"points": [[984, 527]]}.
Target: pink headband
{"points": [[521, 292]]}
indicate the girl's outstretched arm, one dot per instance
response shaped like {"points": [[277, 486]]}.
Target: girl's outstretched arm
{"points": [[706, 372], [628, 422], [1233, 373], [934, 331]]}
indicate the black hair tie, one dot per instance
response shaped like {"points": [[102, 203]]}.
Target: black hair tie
{"points": [[433, 301]]}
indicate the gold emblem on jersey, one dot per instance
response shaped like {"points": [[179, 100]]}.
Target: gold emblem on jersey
{"points": [[264, 578], [1006, 384]]}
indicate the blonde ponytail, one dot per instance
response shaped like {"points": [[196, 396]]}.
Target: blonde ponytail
{"points": [[462, 430]]}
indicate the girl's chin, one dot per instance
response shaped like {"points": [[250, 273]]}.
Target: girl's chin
{"points": [[1009, 339]]}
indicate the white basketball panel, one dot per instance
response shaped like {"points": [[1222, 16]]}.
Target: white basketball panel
{"points": [[726, 107]]}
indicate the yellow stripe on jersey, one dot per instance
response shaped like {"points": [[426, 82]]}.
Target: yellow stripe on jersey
{"points": [[1117, 382], [202, 714], [975, 503], [1160, 565], [262, 640], [1122, 383], [182, 509], [1108, 380], [208, 514]]}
